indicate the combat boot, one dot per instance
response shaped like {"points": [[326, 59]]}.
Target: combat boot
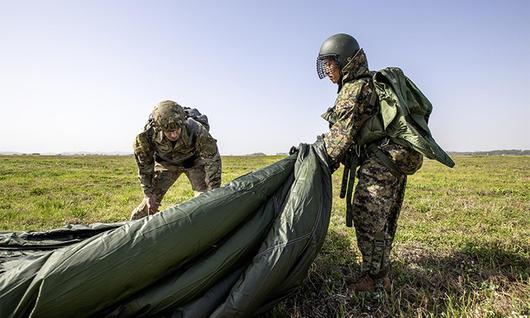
{"points": [[386, 283], [367, 284]]}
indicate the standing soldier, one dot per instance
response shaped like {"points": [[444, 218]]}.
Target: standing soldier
{"points": [[383, 162], [172, 143]]}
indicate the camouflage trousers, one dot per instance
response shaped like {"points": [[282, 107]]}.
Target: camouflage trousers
{"points": [[165, 176], [376, 206]]}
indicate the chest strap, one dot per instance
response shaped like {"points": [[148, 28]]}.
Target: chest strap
{"points": [[383, 158]]}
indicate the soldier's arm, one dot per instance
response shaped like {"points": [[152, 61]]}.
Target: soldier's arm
{"points": [[209, 153], [352, 109], [144, 154]]}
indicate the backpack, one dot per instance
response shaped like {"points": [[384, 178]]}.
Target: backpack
{"points": [[194, 114], [403, 117]]}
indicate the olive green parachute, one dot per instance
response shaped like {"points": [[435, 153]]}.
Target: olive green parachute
{"points": [[405, 113], [230, 252]]}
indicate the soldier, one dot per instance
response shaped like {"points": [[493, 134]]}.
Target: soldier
{"points": [[383, 163], [173, 143]]}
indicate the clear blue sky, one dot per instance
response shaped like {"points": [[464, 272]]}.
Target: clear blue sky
{"points": [[84, 75]]}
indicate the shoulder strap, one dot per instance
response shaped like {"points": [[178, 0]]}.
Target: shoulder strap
{"points": [[149, 131], [193, 130], [374, 97]]}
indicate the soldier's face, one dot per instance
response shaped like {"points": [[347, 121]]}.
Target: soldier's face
{"points": [[332, 70], [172, 135]]}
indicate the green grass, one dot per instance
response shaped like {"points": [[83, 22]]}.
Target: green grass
{"points": [[462, 247]]}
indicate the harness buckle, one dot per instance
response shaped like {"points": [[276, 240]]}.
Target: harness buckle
{"points": [[385, 142]]}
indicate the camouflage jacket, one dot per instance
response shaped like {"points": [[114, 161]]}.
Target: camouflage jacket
{"points": [[352, 108], [194, 143]]}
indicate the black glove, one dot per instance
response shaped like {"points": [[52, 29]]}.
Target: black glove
{"points": [[293, 150], [188, 163], [333, 166]]}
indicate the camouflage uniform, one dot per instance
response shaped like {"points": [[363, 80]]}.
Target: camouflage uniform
{"points": [[379, 193], [161, 161]]}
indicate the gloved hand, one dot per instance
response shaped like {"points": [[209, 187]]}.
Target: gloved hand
{"points": [[333, 166], [293, 150], [152, 204]]}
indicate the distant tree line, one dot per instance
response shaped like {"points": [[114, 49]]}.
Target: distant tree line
{"points": [[512, 152]]}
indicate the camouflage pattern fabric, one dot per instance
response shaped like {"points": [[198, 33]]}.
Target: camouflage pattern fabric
{"points": [[377, 203], [168, 115], [379, 194], [165, 176], [161, 161], [357, 67], [407, 160], [351, 110]]}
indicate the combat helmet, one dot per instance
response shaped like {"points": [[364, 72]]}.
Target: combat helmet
{"points": [[340, 47], [168, 116]]}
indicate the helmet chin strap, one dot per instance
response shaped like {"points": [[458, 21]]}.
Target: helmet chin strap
{"points": [[339, 83], [350, 59]]}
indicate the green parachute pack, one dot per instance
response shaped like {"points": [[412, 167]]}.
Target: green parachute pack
{"points": [[404, 116]]}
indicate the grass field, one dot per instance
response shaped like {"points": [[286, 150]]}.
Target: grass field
{"points": [[462, 247]]}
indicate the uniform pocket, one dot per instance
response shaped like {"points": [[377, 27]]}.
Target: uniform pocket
{"points": [[407, 160]]}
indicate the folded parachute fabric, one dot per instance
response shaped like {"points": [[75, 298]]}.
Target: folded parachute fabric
{"points": [[230, 252]]}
